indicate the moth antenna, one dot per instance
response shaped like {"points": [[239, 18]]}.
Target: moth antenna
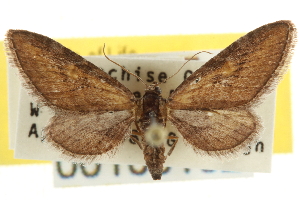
{"points": [[123, 67], [183, 65]]}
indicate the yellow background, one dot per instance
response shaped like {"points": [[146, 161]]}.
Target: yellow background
{"points": [[150, 44]]}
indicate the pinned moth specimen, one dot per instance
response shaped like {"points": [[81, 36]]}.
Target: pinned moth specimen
{"points": [[212, 108]]}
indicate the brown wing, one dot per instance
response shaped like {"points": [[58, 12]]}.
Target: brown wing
{"points": [[61, 79], [241, 73], [86, 136], [210, 108], [218, 132]]}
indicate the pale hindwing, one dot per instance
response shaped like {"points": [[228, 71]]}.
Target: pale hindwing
{"points": [[60, 78], [86, 136], [241, 73], [216, 132]]}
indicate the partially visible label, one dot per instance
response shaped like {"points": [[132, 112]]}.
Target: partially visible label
{"points": [[68, 174]]}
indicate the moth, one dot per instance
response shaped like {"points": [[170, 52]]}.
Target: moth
{"points": [[212, 108]]}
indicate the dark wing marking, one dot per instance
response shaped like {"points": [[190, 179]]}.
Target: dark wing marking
{"points": [[241, 73], [61, 79]]}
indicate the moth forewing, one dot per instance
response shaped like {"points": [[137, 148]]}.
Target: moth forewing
{"points": [[60, 78]]}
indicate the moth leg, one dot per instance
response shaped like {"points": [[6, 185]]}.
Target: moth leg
{"points": [[174, 144], [138, 133], [138, 127], [135, 140]]}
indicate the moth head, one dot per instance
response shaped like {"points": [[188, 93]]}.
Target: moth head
{"points": [[154, 87]]}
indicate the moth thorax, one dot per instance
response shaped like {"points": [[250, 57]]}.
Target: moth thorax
{"points": [[156, 135]]}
